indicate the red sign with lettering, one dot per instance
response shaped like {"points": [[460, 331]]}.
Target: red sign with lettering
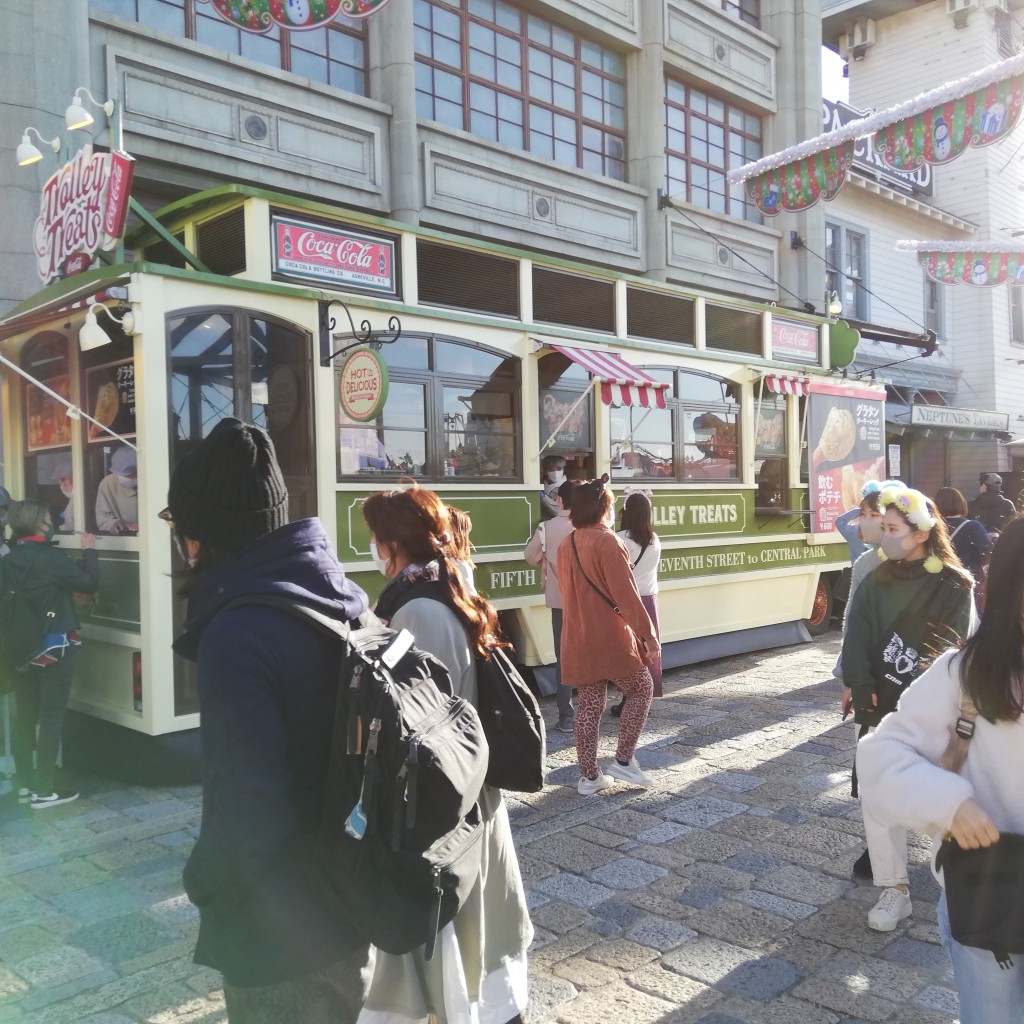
{"points": [[794, 341], [81, 211], [333, 255]]}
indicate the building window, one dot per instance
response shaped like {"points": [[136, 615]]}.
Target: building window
{"points": [[490, 69], [452, 410], [704, 138], [694, 438], [747, 11], [334, 54], [933, 319], [846, 254], [1016, 294]]}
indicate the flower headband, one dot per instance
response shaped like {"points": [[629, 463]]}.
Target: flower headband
{"points": [[913, 504], [645, 491]]}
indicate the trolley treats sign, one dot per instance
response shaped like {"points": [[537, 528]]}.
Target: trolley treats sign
{"points": [[83, 209], [363, 385], [846, 435], [333, 255]]}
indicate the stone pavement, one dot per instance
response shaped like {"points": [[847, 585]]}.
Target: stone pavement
{"points": [[721, 895]]}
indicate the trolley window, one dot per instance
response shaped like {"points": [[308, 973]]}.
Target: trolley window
{"points": [[452, 410], [694, 438]]}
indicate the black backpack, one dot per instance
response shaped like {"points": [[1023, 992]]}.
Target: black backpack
{"points": [[401, 834], [511, 716]]}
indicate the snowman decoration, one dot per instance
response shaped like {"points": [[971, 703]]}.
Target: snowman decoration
{"points": [[980, 273], [940, 136], [297, 12]]}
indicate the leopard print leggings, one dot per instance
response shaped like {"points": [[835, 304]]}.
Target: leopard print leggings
{"points": [[590, 703]]}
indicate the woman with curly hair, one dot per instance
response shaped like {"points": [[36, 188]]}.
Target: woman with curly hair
{"points": [[915, 605], [480, 970]]}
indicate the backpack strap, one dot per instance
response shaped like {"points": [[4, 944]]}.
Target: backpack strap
{"points": [[604, 597], [960, 526], [960, 735], [633, 565]]}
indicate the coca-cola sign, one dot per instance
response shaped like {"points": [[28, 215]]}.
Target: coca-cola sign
{"points": [[83, 209], [333, 254], [794, 342]]}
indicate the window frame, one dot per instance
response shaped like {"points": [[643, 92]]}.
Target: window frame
{"points": [[1015, 298], [612, 165], [838, 279], [286, 39], [735, 201], [681, 410], [434, 382], [746, 11]]}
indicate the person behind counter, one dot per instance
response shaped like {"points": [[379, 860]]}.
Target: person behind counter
{"points": [[552, 472], [117, 497], [64, 478]]}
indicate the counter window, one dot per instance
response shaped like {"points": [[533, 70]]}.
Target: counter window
{"points": [[694, 438], [770, 452], [452, 409]]}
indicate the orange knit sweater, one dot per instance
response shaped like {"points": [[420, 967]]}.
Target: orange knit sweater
{"points": [[597, 644]]}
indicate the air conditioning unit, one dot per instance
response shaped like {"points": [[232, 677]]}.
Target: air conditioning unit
{"points": [[857, 38]]}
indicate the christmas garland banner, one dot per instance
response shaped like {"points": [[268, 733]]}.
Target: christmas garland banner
{"points": [[262, 16], [799, 185], [943, 133], [983, 269]]}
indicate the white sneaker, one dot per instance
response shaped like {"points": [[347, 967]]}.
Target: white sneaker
{"points": [[40, 802], [24, 795], [588, 787], [629, 773], [892, 907]]}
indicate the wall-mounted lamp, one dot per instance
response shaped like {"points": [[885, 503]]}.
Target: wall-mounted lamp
{"points": [[76, 116], [859, 52], [832, 304], [29, 154], [91, 335], [366, 335]]}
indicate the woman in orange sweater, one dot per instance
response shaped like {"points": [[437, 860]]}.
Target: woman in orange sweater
{"points": [[607, 636]]}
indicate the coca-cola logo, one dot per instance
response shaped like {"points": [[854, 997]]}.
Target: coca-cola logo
{"points": [[794, 336], [76, 264], [339, 256], [345, 252], [794, 340]]}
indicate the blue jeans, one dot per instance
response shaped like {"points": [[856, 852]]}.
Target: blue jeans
{"points": [[563, 694], [41, 696], [988, 994]]}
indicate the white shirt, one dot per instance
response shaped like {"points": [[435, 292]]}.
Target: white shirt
{"points": [[645, 572]]}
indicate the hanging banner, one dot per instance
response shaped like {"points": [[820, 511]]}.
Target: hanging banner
{"points": [[934, 128], [799, 185], [262, 16], [943, 133], [981, 264]]}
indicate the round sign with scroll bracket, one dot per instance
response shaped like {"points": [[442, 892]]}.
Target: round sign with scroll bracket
{"points": [[363, 385]]}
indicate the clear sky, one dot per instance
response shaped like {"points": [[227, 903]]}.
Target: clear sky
{"points": [[833, 85]]}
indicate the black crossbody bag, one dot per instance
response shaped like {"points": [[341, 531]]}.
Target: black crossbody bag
{"points": [[984, 887]]}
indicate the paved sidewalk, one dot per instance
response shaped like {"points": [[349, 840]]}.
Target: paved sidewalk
{"points": [[721, 895]]}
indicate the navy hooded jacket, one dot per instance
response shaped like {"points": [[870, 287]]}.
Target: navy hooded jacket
{"points": [[267, 684]]}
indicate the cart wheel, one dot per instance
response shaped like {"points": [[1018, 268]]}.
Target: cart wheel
{"points": [[820, 619]]}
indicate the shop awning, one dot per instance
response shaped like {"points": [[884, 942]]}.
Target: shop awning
{"points": [[781, 384], [621, 382]]}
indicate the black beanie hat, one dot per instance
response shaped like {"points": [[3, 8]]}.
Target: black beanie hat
{"points": [[229, 490]]}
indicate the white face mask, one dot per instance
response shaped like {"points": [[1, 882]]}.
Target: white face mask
{"points": [[556, 476], [67, 490], [127, 481], [897, 548], [380, 563], [870, 530]]}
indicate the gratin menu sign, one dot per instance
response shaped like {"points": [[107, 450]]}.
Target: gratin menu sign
{"points": [[333, 254], [83, 209]]}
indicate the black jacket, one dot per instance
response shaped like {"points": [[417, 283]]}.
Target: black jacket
{"points": [[267, 683], [993, 509], [45, 578]]}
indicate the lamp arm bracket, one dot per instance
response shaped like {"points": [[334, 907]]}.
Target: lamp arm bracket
{"points": [[365, 335]]}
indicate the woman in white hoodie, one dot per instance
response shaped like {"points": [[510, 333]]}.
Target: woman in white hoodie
{"points": [[904, 785]]}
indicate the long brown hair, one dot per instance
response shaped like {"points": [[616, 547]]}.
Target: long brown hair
{"points": [[416, 521], [636, 519], [462, 525]]}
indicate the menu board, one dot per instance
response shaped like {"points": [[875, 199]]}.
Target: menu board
{"points": [[846, 436], [567, 419], [111, 397]]}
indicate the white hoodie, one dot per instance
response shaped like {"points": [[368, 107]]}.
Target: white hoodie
{"points": [[901, 782]]}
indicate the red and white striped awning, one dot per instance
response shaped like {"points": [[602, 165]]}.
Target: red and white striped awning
{"points": [[781, 384], [621, 382]]}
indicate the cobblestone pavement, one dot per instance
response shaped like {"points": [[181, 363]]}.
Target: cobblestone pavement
{"points": [[720, 895]]}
